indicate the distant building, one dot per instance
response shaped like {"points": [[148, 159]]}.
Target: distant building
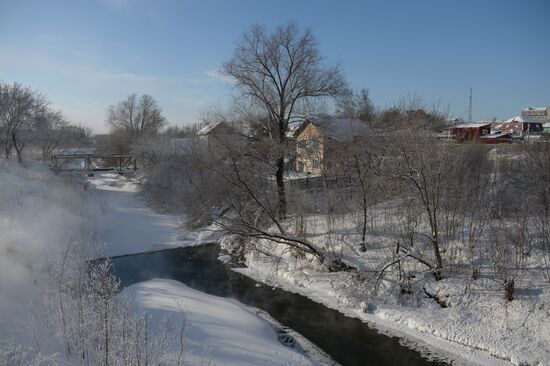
{"points": [[541, 115], [468, 132], [496, 138], [322, 144], [217, 138], [519, 127]]}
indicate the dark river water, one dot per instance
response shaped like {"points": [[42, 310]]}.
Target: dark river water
{"points": [[347, 340]]}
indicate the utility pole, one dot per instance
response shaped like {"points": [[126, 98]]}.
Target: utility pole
{"points": [[470, 107]]}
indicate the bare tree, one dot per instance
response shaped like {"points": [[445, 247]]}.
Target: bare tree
{"points": [[368, 159], [355, 105], [136, 117], [365, 108], [423, 167], [19, 106], [281, 72], [346, 104], [51, 130]]}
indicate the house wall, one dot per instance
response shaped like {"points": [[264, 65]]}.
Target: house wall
{"points": [[310, 145], [522, 128], [536, 115], [532, 128], [464, 134], [514, 127], [318, 155]]}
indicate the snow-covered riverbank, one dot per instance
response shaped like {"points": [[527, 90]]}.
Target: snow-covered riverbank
{"points": [[127, 226], [477, 326], [221, 331], [40, 214]]}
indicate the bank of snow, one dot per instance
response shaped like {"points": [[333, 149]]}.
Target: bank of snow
{"points": [[429, 330], [221, 331], [477, 327], [41, 214], [127, 226]]}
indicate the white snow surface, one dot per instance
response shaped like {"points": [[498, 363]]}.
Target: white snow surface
{"points": [[38, 211], [127, 226], [222, 331], [38, 216], [478, 327]]}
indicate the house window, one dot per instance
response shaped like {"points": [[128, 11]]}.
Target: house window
{"points": [[315, 163]]}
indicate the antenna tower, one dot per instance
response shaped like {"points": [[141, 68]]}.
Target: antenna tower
{"points": [[470, 107]]}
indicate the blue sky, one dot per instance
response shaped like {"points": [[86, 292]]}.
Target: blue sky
{"points": [[86, 55]]}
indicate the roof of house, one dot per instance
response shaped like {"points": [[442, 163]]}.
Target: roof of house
{"points": [[520, 120], [515, 119], [75, 151], [210, 127], [473, 125], [540, 109], [337, 129]]}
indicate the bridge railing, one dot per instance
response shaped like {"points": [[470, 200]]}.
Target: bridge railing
{"points": [[93, 162]]}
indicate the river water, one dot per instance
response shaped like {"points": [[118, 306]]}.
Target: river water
{"points": [[347, 340]]}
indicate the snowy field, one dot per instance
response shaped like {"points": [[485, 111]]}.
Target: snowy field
{"points": [[40, 214]]}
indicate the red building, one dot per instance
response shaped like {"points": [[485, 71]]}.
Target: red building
{"points": [[470, 131], [496, 138]]}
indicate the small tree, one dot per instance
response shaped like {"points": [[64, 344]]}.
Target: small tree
{"points": [[423, 168], [355, 105], [368, 158]]}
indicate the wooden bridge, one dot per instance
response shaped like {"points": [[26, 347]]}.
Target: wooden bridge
{"points": [[93, 162]]}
